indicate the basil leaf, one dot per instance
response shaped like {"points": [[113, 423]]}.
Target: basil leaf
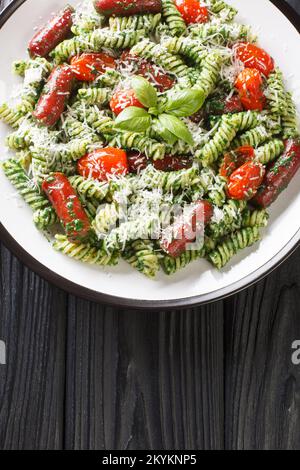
{"points": [[163, 132], [144, 91], [176, 127], [133, 119], [184, 103]]}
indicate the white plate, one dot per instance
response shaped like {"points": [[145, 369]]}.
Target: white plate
{"points": [[122, 285]]}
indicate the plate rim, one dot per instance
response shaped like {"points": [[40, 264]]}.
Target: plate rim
{"points": [[121, 302]]}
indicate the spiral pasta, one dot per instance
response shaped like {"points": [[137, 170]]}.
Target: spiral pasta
{"points": [[239, 240], [190, 48], [254, 137], [24, 185], [173, 18], [159, 54], [134, 23], [89, 189], [230, 218], [142, 256], [270, 151], [11, 117], [134, 141], [44, 218], [276, 93], [95, 41], [172, 265], [289, 119], [255, 218], [220, 142], [95, 95], [84, 252]]}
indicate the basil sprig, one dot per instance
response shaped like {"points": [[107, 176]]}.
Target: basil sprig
{"points": [[134, 118], [164, 119]]}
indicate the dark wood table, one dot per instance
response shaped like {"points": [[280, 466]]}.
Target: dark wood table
{"points": [[80, 375]]}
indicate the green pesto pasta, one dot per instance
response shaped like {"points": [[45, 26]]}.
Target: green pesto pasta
{"points": [[270, 151], [159, 54], [25, 187], [95, 42], [84, 252], [289, 119], [134, 23], [253, 137], [239, 240], [142, 256], [144, 139], [173, 18]]}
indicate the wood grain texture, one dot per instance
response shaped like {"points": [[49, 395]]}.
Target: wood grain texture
{"points": [[81, 375], [32, 322], [262, 384], [140, 380]]}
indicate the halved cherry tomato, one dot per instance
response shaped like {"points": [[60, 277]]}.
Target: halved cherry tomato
{"points": [[88, 66], [176, 237], [145, 68], [123, 99], [236, 158], [67, 206], [279, 174], [250, 85], [254, 57], [245, 181], [136, 162], [192, 11], [101, 164]]}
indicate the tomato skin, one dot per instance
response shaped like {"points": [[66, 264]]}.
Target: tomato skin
{"points": [[145, 68], [103, 163], [254, 57], [53, 100], [245, 181], [123, 99], [279, 174], [192, 11], [184, 232], [67, 206], [88, 66], [127, 7], [136, 162], [250, 83], [236, 158], [50, 35]]}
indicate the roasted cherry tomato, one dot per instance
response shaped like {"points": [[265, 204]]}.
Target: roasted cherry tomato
{"points": [[176, 237], [192, 11], [145, 68], [127, 7], [50, 35], [136, 162], [123, 99], [279, 174], [250, 86], [245, 181], [101, 164], [236, 158], [55, 95], [87, 67], [67, 206], [254, 57]]}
